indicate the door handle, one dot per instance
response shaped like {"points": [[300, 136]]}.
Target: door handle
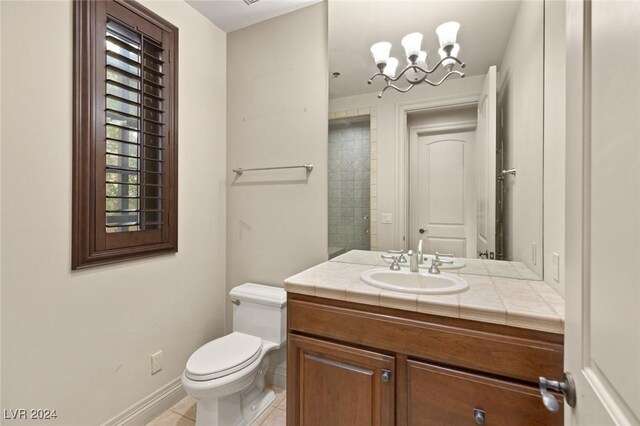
{"points": [[566, 386], [422, 230]]}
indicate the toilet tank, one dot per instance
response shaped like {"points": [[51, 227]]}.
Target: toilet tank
{"points": [[261, 311]]}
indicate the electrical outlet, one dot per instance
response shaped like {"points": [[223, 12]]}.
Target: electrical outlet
{"points": [[555, 265], [156, 362], [387, 218]]}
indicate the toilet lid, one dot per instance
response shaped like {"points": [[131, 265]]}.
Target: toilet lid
{"points": [[223, 356]]}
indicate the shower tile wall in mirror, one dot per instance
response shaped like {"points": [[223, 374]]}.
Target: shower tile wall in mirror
{"points": [[349, 184]]}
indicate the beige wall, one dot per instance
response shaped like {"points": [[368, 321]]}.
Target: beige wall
{"points": [[79, 342], [554, 142], [0, 209], [277, 116], [389, 199], [521, 70]]}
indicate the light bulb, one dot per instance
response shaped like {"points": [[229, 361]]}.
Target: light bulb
{"points": [[454, 52], [411, 43], [380, 52], [447, 33], [422, 57], [390, 69]]}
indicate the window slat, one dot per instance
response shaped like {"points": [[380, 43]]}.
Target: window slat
{"points": [[132, 62], [129, 129], [117, 70], [123, 155], [134, 116], [121, 99], [122, 44]]}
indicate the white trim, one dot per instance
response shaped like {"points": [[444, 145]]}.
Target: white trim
{"points": [[278, 376], [402, 142], [150, 407], [453, 127]]}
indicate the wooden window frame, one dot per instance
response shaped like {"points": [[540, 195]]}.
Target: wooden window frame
{"points": [[91, 244]]}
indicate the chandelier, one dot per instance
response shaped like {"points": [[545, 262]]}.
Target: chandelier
{"points": [[417, 70]]}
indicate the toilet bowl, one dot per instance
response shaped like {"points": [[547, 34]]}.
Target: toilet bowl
{"points": [[227, 375]]}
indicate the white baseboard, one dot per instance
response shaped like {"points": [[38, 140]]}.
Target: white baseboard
{"points": [[278, 377], [150, 407]]}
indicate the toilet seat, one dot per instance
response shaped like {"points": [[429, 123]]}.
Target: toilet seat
{"points": [[223, 356]]}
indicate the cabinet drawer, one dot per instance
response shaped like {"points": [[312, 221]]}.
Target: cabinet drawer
{"points": [[442, 396], [452, 342]]}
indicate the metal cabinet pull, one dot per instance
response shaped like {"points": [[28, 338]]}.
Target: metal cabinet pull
{"points": [[386, 376], [566, 386], [479, 416]]}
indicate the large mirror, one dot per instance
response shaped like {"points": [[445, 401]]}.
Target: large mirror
{"points": [[459, 165]]}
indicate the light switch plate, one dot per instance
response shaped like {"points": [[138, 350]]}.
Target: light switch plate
{"points": [[387, 218], [156, 362]]}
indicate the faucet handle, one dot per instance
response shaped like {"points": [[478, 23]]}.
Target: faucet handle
{"points": [[394, 265], [401, 254], [434, 266], [443, 255]]}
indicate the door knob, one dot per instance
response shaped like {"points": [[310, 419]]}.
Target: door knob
{"points": [[422, 230], [566, 386]]}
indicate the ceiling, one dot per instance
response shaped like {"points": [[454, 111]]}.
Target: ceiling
{"points": [[354, 25], [231, 15]]}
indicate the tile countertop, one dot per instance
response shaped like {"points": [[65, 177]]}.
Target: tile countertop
{"points": [[515, 302]]}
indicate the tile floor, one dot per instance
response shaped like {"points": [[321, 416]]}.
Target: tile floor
{"points": [[184, 413]]}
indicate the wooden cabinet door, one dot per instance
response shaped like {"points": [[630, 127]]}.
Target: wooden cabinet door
{"points": [[333, 384], [442, 396]]}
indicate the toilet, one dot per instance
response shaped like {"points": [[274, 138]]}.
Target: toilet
{"points": [[227, 375]]}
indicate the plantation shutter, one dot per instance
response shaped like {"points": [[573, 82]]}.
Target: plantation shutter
{"points": [[134, 159]]}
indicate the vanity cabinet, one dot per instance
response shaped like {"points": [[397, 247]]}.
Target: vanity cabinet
{"points": [[341, 384], [354, 364]]}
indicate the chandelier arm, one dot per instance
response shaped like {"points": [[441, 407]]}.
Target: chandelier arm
{"points": [[404, 71], [396, 88], [449, 74], [375, 75], [435, 67]]}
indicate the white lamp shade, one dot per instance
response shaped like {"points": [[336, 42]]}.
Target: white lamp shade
{"points": [[447, 33], [380, 52], [411, 43], [390, 69]]}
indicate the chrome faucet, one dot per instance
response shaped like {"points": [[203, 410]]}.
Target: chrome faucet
{"points": [[413, 261], [436, 261], [420, 257]]}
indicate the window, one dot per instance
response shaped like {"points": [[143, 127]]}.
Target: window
{"points": [[125, 133]]}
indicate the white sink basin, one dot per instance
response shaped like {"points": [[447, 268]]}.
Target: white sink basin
{"points": [[414, 282]]}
